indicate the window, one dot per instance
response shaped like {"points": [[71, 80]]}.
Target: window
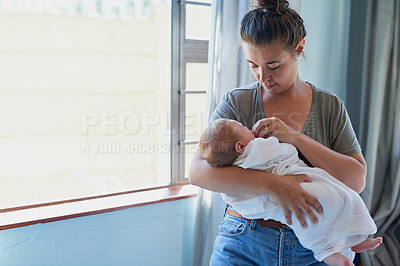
{"points": [[86, 101], [190, 81]]}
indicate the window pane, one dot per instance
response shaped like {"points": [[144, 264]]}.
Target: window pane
{"points": [[189, 152], [201, 1], [195, 115], [194, 29], [85, 102], [196, 76], [195, 121]]}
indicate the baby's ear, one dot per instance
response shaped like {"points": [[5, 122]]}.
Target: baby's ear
{"points": [[239, 147]]}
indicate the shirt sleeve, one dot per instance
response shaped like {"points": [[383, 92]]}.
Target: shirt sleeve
{"points": [[342, 136], [223, 110]]}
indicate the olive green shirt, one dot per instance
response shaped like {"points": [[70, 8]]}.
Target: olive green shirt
{"points": [[328, 121]]}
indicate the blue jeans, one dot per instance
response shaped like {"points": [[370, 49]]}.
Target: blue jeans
{"points": [[242, 242]]}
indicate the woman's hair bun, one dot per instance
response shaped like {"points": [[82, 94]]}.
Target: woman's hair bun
{"points": [[273, 7]]}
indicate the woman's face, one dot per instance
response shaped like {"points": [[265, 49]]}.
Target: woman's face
{"points": [[274, 67]]}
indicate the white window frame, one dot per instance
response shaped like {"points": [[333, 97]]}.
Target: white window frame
{"points": [[183, 51]]}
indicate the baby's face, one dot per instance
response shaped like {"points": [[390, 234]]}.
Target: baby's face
{"points": [[245, 134]]}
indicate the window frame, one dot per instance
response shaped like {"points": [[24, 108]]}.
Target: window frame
{"points": [[67, 209], [183, 51], [186, 51]]}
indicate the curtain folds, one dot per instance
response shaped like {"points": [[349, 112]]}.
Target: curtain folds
{"points": [[228, 69], [380, 128]]}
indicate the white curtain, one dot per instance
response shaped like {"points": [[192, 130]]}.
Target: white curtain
{"points": [[380, 128], [228, 69]]}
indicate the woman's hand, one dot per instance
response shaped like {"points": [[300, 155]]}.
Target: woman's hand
{"points": [[287, 192], [273, 126]]}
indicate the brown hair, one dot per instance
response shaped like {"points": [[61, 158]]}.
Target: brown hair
{"points": [[217, 143], [270, 21]]}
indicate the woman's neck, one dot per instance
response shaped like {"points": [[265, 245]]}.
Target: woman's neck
{"points": [[292, 106], [297, 90]]}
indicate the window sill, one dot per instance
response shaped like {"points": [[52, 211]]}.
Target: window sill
{"points": [[57, 211]]}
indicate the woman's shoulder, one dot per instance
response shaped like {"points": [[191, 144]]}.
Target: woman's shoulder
{"points": [[245, 91], [324, 93], [242, 104], [326, 98]]}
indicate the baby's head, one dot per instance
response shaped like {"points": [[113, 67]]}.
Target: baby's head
{"points": [[223, 140]]}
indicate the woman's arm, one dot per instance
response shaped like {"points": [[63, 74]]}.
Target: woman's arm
{"points": [[229, 179], [350, 170], [286, 191]]}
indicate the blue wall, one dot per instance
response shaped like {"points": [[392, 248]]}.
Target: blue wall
{"points": [[159, 234], [328, 28]]}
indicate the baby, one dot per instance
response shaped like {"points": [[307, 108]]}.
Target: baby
{"points": [[342, 229]]}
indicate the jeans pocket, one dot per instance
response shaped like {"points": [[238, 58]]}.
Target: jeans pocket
{"points": [[232, 227]]}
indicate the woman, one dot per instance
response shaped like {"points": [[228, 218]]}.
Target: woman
{"points": [[279, 104]]}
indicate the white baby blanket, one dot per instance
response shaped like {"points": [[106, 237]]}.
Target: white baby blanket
{"points": [[345, 222]]}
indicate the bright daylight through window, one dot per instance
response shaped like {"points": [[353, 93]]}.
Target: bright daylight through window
{"points": [[88, 103]]}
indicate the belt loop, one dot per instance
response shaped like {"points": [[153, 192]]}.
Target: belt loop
{"points": [[253, 223], [226, 209], [281, 246]]}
